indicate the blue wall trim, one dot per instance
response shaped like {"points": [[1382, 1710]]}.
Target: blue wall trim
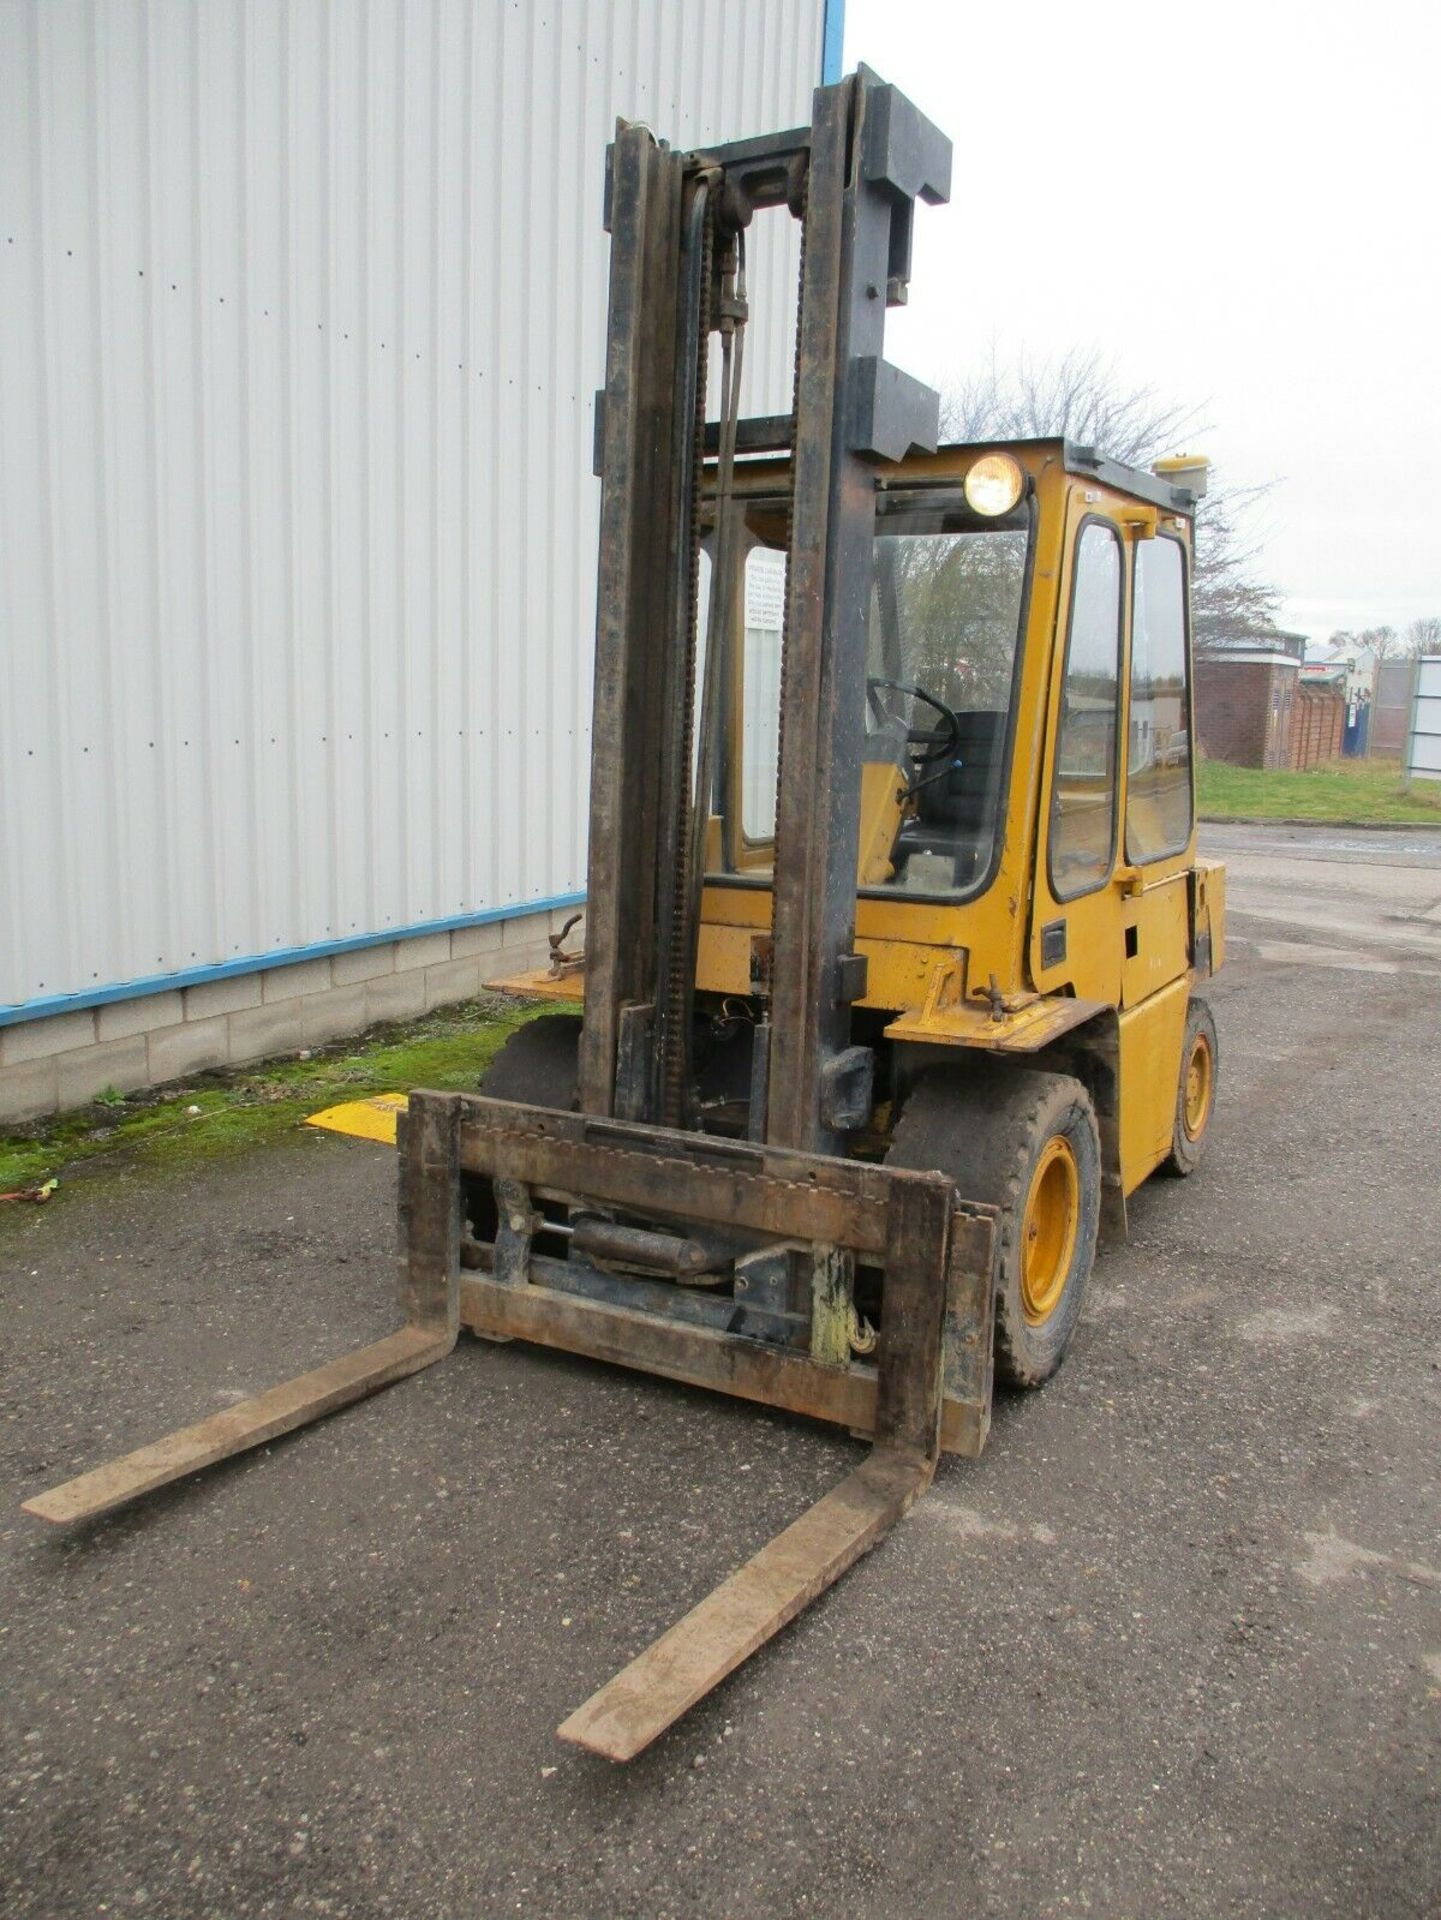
{"points": [[833, 36], [260, 962]]}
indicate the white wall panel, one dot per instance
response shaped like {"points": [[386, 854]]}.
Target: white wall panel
{"points": [[1423, 734], [302, 308]]}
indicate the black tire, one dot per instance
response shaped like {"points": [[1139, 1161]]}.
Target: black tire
{"points": [[990, 1128], [539, 1064], [1191, 1124]]}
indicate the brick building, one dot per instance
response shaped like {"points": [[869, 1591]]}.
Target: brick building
{"points": [[1245, 699], [1255, 708]]}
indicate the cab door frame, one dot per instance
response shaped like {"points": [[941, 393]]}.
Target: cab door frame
{"points": [[1156, 970], [1099, 944], [1075, 942], [1157, 917]]}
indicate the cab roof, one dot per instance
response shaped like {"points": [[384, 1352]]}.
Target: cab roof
{"points": [[1079, 459], [764, 446]]}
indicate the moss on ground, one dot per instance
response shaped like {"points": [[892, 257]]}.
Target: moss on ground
{"points": [[210, 1114], [1345, 792]]}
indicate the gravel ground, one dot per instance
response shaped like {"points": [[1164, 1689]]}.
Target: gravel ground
{"points": [[1172, 1647]]}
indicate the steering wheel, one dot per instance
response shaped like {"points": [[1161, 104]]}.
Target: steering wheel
{"points": [[929, 743]]}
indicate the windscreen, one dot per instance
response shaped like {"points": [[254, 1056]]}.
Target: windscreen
{"points": [[945, 638], [947, 599]]}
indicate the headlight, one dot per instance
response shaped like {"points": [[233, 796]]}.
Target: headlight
{"points": [[994, 484]]}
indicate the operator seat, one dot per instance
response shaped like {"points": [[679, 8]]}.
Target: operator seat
{"points": [[956, 812]]}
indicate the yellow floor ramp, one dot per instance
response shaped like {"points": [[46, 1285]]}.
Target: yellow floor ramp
{"points": [[370, 1119]]}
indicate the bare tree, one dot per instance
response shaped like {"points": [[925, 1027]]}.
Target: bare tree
{"points": [[1082, 397], [1384, 643], [1422, 636]]}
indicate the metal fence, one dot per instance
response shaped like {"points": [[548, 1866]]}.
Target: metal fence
{"points": [[1391, 708]]}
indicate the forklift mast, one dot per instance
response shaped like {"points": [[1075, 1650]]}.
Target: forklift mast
{"points": [[678, 223]]}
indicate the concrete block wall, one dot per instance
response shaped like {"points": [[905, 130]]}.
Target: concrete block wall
{"points": [[64, 1059]]}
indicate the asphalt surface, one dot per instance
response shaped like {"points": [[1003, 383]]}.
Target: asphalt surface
{"points": [[1173, 1647]]}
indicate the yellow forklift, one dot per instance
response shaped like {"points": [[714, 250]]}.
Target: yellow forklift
{"points": [[894, 916]]}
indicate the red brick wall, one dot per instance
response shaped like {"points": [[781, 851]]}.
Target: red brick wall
{"points": [[1243, 710]]}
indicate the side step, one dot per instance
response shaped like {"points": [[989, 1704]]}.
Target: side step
{"points": [[430, 1197]]}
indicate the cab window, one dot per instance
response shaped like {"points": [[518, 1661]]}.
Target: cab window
{"points": [[1158, 770], [765, 600], [1083, 801], [947, 606], [948, 594]]}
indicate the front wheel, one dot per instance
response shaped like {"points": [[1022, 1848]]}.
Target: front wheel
{"points": [[1027, 1143], [538, 1066]]}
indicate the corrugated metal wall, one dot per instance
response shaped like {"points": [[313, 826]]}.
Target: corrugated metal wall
{"points": [[301, 313]]}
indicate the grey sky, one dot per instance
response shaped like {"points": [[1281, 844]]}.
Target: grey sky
{"points": [[1239, 205]]}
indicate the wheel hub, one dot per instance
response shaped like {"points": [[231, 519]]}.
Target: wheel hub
{"points": [[1049, 1227], [1200, 1076]]}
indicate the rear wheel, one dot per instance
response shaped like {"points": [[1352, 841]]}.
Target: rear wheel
{"points": [[1027, 1143], [1196, 1092]]}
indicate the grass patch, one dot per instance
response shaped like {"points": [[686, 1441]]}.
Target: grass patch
{"points": [[1343, 792], [219, 1113]]}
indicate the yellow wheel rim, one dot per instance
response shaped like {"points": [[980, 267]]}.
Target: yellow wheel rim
{"points": [[1200, 1080], [1048, 1230]]}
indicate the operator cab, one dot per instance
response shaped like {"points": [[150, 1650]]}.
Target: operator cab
{"points": [[959, 659]]}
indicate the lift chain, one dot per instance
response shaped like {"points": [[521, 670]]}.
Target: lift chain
{"points": [[673, 1082]]}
